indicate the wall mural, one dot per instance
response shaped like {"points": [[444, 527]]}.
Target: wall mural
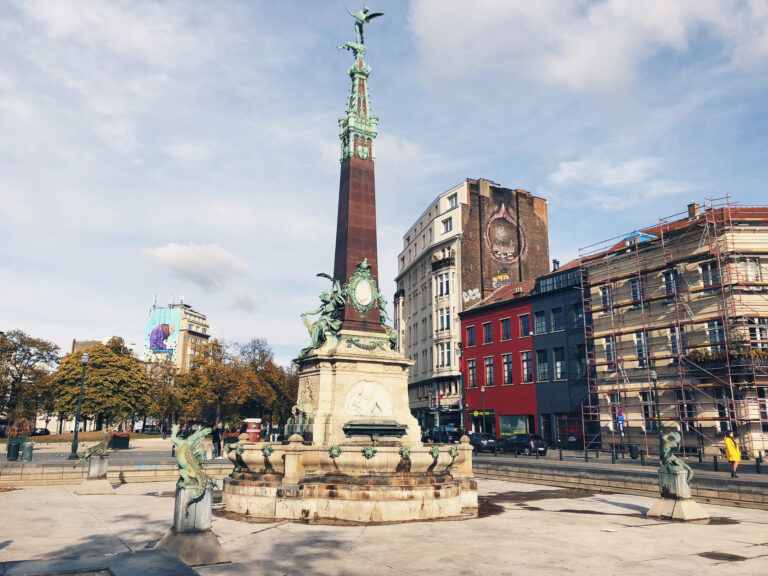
{"points": [[501, 231]]}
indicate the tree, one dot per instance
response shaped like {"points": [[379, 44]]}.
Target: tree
{"points": [[116, 386], [165, 398], [24, 365]]}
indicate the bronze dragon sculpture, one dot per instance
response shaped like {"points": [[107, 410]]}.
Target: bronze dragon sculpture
{"points": [[190, 460], [97, 449]]}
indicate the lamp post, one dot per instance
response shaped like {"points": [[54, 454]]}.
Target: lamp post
{"points": [[73, 454], [482, 391], [654, 379]]}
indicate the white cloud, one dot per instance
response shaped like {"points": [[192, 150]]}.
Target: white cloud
{"points": [[210, 267], [584, 46], [613, 185], [188, 153]]}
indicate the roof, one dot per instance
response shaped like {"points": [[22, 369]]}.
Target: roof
{"points": [[505, 294]]}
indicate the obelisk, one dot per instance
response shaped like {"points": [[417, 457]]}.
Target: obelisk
{"points": [[356, 224]]}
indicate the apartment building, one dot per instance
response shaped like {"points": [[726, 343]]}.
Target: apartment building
{"points": [[470, 241], [680, 309]]}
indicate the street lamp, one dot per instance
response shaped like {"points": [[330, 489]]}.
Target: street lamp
{"points": [[482, 391], [654, 379], [73, 454]]}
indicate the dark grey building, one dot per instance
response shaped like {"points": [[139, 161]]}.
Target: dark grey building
{"points": [[557, 323]]}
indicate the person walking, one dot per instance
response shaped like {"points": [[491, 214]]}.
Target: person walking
{"points": [[732, 453], [216, 438]]}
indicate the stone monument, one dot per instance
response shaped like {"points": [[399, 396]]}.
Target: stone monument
{"points": [[675, 485], [354, 450], [190, 538], [98, 462]]}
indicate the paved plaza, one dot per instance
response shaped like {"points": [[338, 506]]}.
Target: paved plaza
{"points": [[523, 529]]}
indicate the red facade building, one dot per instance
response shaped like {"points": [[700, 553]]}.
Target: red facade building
{"points": [[498, 363]]}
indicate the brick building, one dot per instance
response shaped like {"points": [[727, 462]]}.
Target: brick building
{"points": [[471, 240]]}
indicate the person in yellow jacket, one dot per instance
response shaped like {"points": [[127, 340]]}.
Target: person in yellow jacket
{"points": [[732, 453]]}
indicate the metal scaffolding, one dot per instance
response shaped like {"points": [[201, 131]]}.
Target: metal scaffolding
{"points": [[681, 306]]}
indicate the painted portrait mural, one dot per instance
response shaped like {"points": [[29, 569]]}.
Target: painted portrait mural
{"points": [[162, 334]]}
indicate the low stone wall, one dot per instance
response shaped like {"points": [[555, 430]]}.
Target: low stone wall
{"points": [[641, 482], [63, 474]]}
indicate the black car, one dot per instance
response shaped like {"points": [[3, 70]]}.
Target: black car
{"points": [[482, 442], [524, 444], [41, 432]]}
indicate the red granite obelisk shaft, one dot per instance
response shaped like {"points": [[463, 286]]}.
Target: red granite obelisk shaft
{"points": [[356, 234]]}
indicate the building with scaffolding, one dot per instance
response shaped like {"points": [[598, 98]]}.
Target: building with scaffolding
{"points": [[679, 321]]}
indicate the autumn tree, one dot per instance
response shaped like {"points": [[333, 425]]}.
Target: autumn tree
{"points": [[165, 400], [116, 385], [24, 366]]}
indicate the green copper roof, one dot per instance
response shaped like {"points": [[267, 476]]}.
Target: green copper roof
{"points": [[357, 129]]}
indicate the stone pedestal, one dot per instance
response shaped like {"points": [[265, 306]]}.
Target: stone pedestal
{"points": [[676, 502], [191, 539], [96, 482], [355, 376]]}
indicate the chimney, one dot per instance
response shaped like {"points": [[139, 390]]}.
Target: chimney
{"points": [[555, 265], [693, 210]]}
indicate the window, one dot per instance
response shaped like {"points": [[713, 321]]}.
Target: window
{"points": [[443, 358], [443, 284], [641, 345], [540, 320], [749, 270], [527, 371], [610, 349], [559, 357], [470, 335], [581, 355], [488, 338], [686, 409], [506, 330], [447, 225], [525, 325], [506, 360], [758, 332], [677, 340], [489, 371], [725, 410], [453, 200], [636, 288], [471, 374], [606, 296], [671, 282], [649, 411], [542, 366], [716, 336], [578, 315], [762, 395], [557, 319], [709, 274], [444, 318], [614, 403]]}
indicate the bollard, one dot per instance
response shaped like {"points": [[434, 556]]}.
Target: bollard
{"points": [[714, 459], [515, 452], [758, 463], [586, 455], [642, 457], [537, 453], [495, 450], [701, 456], [561, 454], [173, 450], [613, 457], [597, 453]]}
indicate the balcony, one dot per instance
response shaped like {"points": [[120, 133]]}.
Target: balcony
{"points": [[440, 261]]}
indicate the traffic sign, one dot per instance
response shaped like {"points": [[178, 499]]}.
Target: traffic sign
{"points": [[620, 412], [620, 419]]}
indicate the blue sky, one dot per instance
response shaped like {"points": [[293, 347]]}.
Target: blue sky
{"points": [[150, 148]]}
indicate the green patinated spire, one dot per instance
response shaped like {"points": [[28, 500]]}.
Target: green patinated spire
{"points": [[357, 129]]}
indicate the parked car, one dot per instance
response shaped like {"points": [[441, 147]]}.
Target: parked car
{"points": [[482, 442], [2, 430], [524, 444], [41, 432], [441, 436]]}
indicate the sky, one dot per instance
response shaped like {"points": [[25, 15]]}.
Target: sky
{"points": [[190, 148]]}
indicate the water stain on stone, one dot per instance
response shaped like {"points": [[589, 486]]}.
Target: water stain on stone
{"points": [[722, 556]]}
